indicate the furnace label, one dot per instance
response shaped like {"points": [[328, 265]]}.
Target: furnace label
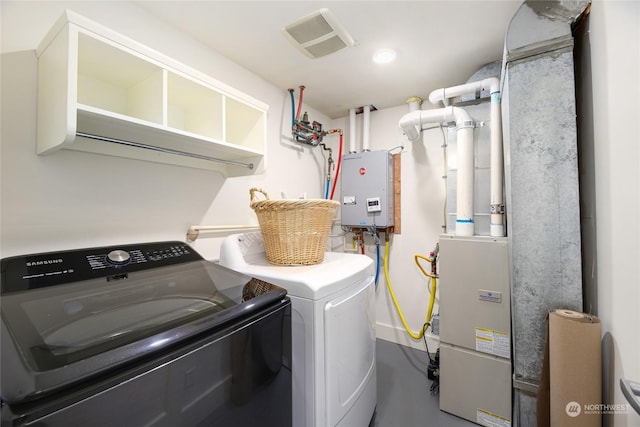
{"points": [[493, 342]]}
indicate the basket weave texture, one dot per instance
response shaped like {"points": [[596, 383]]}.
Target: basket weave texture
{"points": [[294, 231]]}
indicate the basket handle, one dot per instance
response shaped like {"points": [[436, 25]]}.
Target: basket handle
{"points": [[252, 195]]}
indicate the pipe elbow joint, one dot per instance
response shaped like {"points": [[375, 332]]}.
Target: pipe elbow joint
{"points": [[491, 84], [411, 132], [437, 96], [409, 123]]}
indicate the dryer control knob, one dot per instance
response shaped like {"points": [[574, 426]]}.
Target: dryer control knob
{"points": [[118, 257]]}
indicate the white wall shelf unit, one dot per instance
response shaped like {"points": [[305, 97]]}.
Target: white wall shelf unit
{"points": [[101, 92]]}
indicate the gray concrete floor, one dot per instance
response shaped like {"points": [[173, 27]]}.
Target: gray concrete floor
{"points": [[404, 396]]}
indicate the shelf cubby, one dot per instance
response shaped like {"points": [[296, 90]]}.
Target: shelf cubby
{"points": [[101, 92]]}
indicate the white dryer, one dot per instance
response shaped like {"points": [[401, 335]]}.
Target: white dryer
{"points": [[333, 330]]}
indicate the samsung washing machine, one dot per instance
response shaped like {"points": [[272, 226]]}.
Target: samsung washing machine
{"points": [[333, 330]]}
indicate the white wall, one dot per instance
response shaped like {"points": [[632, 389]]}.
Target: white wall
{"points": [[422, 198], [72, 199], [615, 53]]}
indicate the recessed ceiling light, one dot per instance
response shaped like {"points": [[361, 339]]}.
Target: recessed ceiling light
{"points": [[384, 56]]}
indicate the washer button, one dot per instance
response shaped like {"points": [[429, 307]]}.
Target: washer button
{"points": [[118, 257]]}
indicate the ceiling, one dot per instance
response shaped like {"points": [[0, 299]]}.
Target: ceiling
{"points": [[438, 44]]}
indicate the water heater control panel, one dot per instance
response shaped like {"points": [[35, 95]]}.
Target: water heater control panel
{"points": [[373, 204], [367, 189]]}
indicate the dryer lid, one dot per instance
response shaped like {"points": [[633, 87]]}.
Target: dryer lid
{"points": [[338, 271]]}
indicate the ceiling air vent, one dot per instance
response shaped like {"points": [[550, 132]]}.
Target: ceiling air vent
{"points": [[318, 34]]}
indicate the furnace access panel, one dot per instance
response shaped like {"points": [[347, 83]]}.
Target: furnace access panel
{"points": [[367, 189]]}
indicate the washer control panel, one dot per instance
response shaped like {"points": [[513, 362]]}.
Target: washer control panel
{"points": [[131, 255], [54, 268]]}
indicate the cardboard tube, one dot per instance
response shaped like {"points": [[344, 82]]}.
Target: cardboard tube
{"points": [[574, 371]]}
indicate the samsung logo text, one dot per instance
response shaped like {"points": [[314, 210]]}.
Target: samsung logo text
{"points": [[44, 262]]}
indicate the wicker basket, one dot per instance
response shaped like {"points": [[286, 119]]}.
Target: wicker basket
{"points": [[294, 231]]}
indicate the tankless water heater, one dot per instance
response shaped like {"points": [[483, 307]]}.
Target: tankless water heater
{"points": [[367, 189]]}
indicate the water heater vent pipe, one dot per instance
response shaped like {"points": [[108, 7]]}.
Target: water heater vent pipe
{"points": [[352, 131], [412, 122], [366, 125], [415, 102], [492, 85]]}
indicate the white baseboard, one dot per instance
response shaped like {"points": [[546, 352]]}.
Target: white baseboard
{"points": [[400, 336]]}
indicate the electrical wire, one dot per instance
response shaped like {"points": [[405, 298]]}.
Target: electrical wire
{"points": [[424, 338], [445, 143], [375, 280]]}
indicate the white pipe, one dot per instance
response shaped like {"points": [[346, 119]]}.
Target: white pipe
{"points": [[410, 123], [366, 119], [352, 130], [414, 103], [464, 187], [492, 85], [497, 203]]}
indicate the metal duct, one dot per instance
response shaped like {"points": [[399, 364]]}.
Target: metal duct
{"points": [[541, 179]]}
